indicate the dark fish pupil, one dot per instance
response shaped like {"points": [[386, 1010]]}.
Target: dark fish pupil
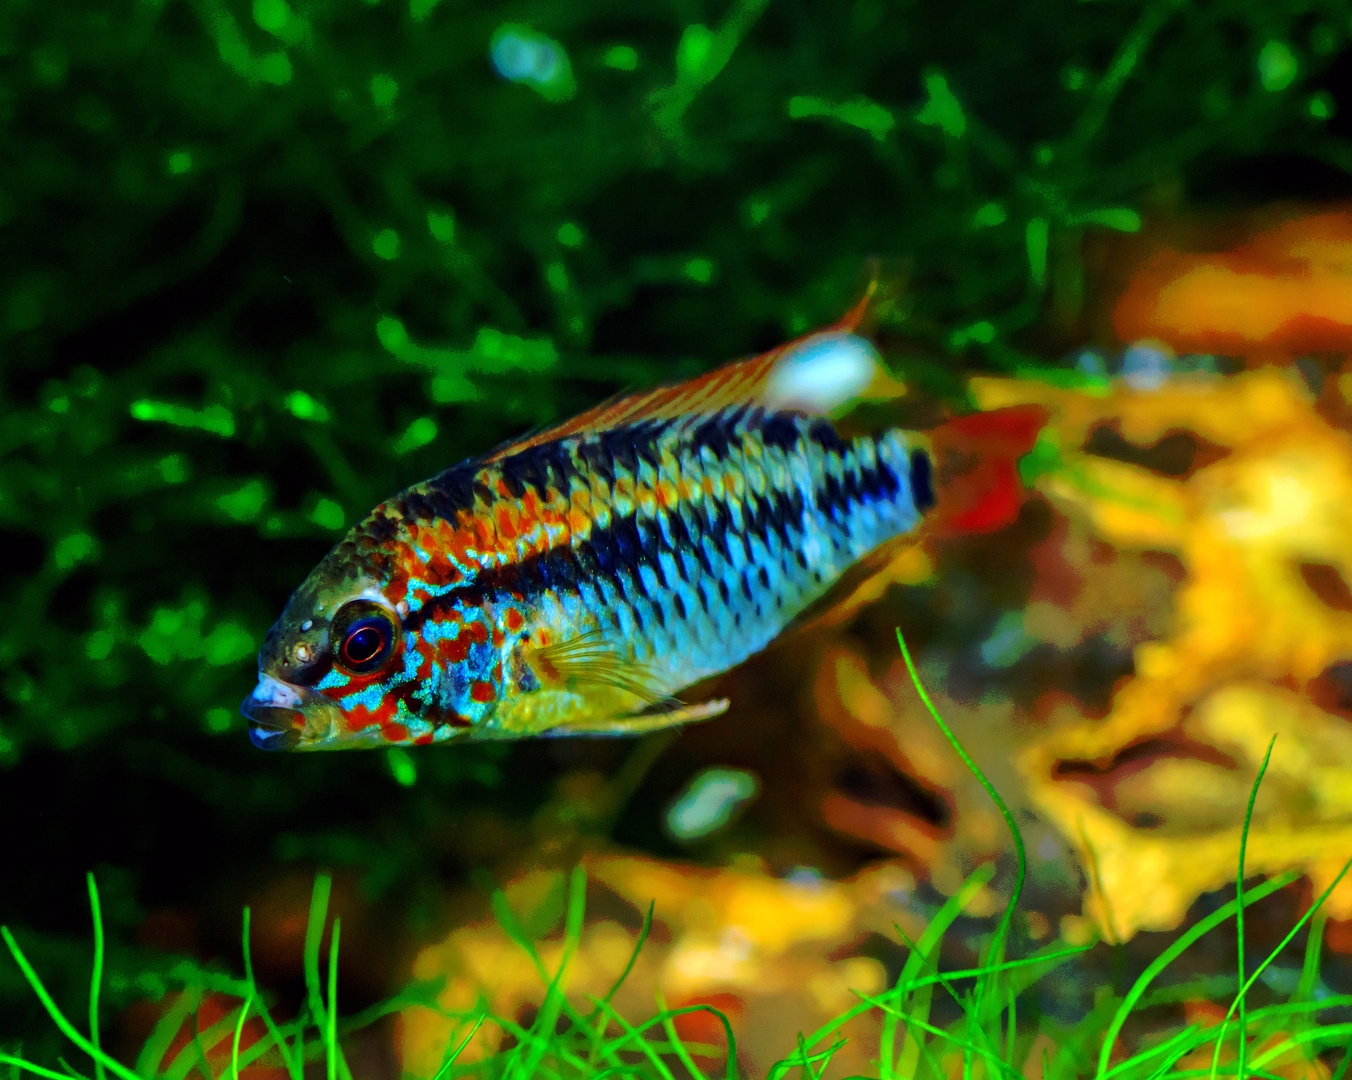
{"points": [[363, 644]]}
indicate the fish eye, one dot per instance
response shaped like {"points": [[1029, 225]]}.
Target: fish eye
{"points": [[364, 637]]}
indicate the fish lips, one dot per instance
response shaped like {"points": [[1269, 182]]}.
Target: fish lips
{"points": [[275, 714]]}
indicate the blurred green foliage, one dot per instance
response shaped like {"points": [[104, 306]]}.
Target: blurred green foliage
{"points": [[266, 261]]}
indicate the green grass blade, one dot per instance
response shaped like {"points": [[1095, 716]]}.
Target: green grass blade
{"points": [[96, 976], [162, 1035], [1316, 906], [633, 957], [314, 930], [1309, 969], [929, 939], [289, 1062], [598, 1029], [507, 919], [1168, 957], [1299, 1008], [28, 1066], [550, 1008], [337, 1064], [803, 1060], [924, 1025], [634, 1035], [981, 1043], [677, 1043], [1341, 1072], [1342, 1032], [1239, 930], [997, 946], [58, 1018], [195, 1052], [239, 1031], [453, 1050]]}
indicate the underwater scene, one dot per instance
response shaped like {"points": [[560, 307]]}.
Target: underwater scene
{"points": [[815, 539]]}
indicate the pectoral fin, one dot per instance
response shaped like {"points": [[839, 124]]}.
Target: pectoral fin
{"points": [[588, 659]]}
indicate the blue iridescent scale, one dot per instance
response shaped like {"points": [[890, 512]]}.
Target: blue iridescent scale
{"points": [[763, 511]]}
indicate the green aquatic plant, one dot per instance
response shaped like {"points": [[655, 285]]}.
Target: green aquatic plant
{"points": [[565, 1043]]}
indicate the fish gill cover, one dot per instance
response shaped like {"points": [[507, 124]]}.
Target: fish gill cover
{"points": [[266, 262]]}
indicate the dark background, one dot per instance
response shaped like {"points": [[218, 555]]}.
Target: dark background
{"points": [[263, 264]]}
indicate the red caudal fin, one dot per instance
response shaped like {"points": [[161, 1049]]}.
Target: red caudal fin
{"points": [[976, 461]]}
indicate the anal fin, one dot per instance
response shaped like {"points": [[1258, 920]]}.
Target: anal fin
{"points": [[644, 722]]}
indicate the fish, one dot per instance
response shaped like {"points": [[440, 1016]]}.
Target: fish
{"points": [[575, 581]]}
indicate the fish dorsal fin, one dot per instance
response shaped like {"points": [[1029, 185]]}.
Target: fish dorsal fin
{"points": [[812, 375]]}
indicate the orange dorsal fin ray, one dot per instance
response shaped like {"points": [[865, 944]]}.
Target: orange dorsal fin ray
{"points": [[751, 381]]}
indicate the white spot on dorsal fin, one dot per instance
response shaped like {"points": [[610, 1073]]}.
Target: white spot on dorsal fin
{"points": [[822, 372]]}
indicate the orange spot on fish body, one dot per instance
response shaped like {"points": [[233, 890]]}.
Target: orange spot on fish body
{"points": [[514, 619], [507, 529], [359, 718], [456, 649], [394, 732], [483, 692], [423, 740], [397, 589]]}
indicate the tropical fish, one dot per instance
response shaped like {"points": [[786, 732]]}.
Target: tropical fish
{"points": [[574, 581]]}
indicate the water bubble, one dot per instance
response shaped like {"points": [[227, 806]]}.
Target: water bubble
{"points": [[419, 433], [441, 226], [1277, 66], [621, 58], [521, 55], [699, 270], [386, 245], [1146, 365], [823, 372], [709, 801], [384, 89], [1091, 362]]}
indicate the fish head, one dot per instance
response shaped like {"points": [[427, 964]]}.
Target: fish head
{"points": [[340, 633], [368, 653]]}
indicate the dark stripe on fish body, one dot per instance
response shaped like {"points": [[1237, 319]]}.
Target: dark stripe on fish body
{"points": [[781, 431], [453, 490], [922, 488], [825, 436], [777, 514]]}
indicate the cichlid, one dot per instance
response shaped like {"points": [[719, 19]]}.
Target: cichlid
{"points": [[574, 581]]}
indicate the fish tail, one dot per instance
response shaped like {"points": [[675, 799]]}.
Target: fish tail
{"points": [[975, 463]]}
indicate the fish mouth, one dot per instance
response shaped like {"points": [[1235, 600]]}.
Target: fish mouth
{"points": [[276, 714], [273, 728]]}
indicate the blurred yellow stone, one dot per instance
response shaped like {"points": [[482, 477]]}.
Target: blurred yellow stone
{"points": [[1264, 534]]}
